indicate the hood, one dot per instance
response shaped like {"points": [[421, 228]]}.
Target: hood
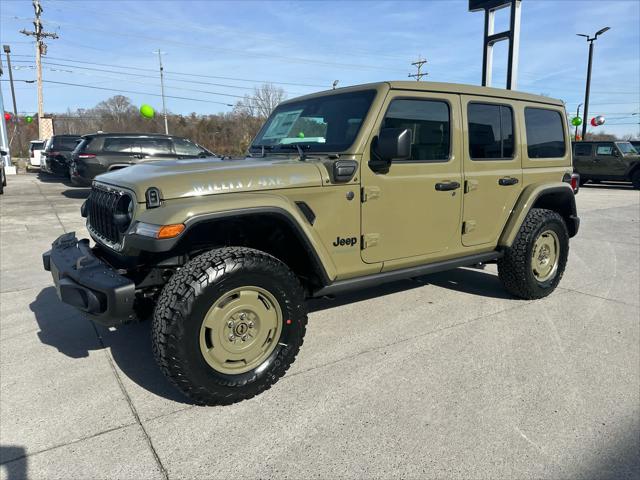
{"points": [[209, 176]]}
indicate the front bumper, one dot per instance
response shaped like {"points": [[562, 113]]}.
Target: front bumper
{"points": [[84, 281]]}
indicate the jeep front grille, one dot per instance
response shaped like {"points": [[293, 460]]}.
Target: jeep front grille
{"points": [[101, 214]]}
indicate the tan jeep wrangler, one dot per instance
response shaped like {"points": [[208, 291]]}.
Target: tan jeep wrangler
{"points": [[341, 190]]}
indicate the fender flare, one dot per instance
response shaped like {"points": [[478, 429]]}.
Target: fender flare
{"points": [[528, 198], [321, 263]]}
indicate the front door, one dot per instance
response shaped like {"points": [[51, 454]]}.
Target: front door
{"points": [[492, 169], [414, 209], [608, 162], [583, 154]]}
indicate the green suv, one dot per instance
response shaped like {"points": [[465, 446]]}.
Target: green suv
{"points": [[340, 190], [598, 161]]}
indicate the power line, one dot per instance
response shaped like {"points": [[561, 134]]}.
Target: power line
{"points": [[146, 76], [295, 84], [133, 92]]}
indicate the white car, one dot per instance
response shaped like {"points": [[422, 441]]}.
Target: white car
{"points": [[36, 148]]}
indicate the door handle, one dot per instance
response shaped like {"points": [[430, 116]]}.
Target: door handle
{"points": [[447, 186], [508, 181]]}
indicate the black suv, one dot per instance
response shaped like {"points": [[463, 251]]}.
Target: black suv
{"points": [[102, 152], [602, 161], [57, 154]]}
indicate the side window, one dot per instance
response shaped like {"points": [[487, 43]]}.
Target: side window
{"points": [[430, 125], [490, 131], [582, 150], [154, 146], [604, 150], [186, 148], [545, 133], [118, 145]]}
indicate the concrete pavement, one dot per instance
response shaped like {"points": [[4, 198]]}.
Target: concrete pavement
{"points": [[443, 377]]}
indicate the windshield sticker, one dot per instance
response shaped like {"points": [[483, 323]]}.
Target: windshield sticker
{"points": [[281, 124]]}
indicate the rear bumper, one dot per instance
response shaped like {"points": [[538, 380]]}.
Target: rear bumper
{"points": [[574, 225], [87, 283]]}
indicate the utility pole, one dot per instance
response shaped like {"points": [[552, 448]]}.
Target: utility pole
{"points": [[418, 64], [7, 51], [588, 89], [164, 105], [41, 49]]}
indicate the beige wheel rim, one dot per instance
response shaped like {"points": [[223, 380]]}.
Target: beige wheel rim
{"points": [[545, 255], [241, 330]]}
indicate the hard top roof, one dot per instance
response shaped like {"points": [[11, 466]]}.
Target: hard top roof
{"points": [[131, 134], [455, 88]]}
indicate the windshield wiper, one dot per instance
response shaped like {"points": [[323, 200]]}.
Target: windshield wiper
{"points": [[262, 149], [299, 147]]}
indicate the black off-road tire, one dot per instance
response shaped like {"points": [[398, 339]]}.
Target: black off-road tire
{"points": [[635, 179], [186, 299], [514, 268]]}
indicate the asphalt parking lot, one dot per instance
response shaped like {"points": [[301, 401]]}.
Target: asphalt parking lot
{"points": [[446, 376]]}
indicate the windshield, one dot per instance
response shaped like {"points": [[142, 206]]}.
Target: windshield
{"points": [[626, 147], [322, 124]]}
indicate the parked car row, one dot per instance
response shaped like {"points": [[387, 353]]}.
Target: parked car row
{"points": [[82, 158]]}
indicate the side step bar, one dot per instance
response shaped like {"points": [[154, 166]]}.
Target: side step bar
{"points": [[368, 281]]}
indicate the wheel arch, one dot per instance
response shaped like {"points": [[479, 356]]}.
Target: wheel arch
{"points": [[269, 229], [558, 197]]}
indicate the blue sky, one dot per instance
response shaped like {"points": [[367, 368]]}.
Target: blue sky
{"points": [[311, 43]]}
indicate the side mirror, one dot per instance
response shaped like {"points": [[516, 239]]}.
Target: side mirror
{"points": [[3, 153], [391, 144], [616, 153]]}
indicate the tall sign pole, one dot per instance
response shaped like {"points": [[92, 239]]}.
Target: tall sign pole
{"points": [[41, 49], [491, 38]]}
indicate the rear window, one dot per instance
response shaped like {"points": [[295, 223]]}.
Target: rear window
{"points": [[490, 131], [65, 143], [545, 133], [36, 146], [153, 146], [582, 150], [118, 144]]}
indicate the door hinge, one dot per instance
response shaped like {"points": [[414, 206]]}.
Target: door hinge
{"points": [[470, 185], [370, 240], [468, 226], [370, 193]]}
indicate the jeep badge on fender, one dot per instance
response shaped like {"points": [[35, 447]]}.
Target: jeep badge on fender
{"points": [[225, 265], [349, 242]]}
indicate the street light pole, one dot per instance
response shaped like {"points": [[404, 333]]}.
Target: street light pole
{"points": [[7, 51], [164, 105], [588, 89], [575, 137]]}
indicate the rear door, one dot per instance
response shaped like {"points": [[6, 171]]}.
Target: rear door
{"points": [[150, 149], [583, 158], [492, 168], [414, 209]]}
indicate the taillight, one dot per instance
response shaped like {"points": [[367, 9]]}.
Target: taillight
{"points": [[575, 182], [32, 155], [86, 155], [572, 179]]}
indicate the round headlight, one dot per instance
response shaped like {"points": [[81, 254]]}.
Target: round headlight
{"points": [[123, 212]]}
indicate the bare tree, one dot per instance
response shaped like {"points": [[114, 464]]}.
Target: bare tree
{"points": [[264, 99]]}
